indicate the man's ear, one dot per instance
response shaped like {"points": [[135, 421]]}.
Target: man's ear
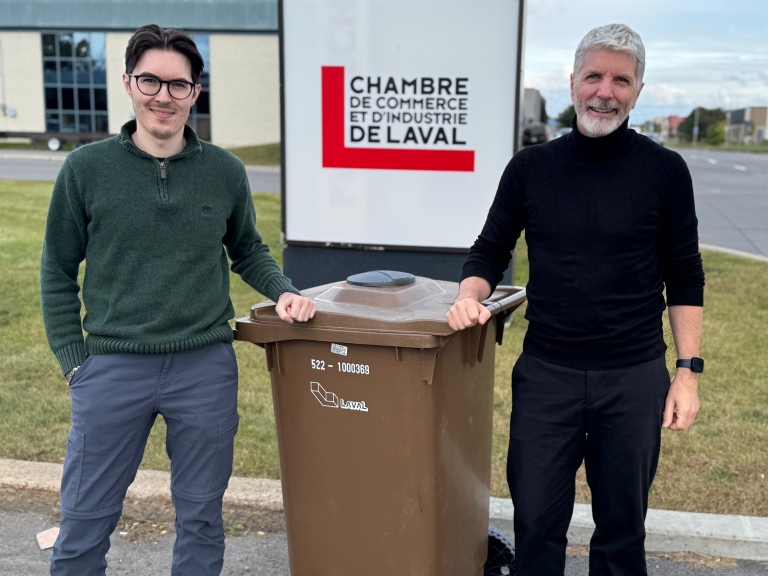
{"points": [[638, 94], [572, 95], [127, 85]]}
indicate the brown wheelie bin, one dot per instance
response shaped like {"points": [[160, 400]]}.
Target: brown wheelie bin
{"points": [[383, 418]]}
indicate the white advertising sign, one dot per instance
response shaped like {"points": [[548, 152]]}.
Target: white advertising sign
{"points": [[398, 118]]}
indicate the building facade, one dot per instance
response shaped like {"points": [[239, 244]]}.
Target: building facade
{"points": [[666, 126], [747, 125], [61, 66], [534, 109]]}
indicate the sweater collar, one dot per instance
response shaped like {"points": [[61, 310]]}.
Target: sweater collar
{"points": [[193, 145], [599, 149]]}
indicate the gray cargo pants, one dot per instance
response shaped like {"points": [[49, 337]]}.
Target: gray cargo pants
{"points": [[115, 400]]}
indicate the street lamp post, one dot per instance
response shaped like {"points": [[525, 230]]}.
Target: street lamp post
{"points": [[695, 127]]}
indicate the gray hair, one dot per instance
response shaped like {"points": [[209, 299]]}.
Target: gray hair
{"points": [[616, 37]]}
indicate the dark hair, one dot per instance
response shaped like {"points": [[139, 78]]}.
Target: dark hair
{"points": [[171, 39]]}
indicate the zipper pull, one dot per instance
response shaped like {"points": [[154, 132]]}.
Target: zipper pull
{"points": [[162, 170]]}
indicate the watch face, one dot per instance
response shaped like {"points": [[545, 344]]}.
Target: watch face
{"points": [[697, 365]]}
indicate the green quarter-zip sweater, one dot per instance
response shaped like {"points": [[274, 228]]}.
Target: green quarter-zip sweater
{"points": [[155, 240]]}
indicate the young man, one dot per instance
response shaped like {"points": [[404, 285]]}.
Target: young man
{"points": [[609, 219], [155, 212]]}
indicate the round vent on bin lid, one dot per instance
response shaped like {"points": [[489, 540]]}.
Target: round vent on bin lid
{"points": [[380, 278]]}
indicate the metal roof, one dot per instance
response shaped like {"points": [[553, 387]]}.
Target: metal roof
{"points": [[213, 15]]}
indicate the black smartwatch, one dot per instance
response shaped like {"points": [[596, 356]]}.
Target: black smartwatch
{"points": [[696, 365]]}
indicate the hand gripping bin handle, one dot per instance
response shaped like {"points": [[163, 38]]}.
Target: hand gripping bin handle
{"points": [[501, 304]]}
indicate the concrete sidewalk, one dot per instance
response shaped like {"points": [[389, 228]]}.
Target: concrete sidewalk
{"points": [[38, 155], [260, 500]]}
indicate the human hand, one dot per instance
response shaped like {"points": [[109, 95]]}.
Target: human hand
{"points": [[466, 313], [71, 373], [682, 403], [292, 307]]}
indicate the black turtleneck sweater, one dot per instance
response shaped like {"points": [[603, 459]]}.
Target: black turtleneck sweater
{"points": [[609, 223]]}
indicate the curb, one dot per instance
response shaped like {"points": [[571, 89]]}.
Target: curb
{"points": [[38, 156], [254, 501], [260, 502], [49, 156], [263, 168], [744, 537], [733, 252]]}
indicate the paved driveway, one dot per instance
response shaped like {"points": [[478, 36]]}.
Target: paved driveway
{"points": [[265, 555]]}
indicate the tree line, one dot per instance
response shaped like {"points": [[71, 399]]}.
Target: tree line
{"points": [[711, 124]]}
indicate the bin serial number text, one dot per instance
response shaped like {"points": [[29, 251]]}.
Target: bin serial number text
{"points": [[347, 367]]}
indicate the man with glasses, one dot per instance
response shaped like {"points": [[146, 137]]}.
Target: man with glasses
{"points": [[155, 212]]}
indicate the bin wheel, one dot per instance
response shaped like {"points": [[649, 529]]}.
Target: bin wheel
{"points": [[501, 554]]}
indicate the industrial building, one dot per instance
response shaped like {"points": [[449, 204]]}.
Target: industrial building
{"points": [[61, 65], [747, 125]]}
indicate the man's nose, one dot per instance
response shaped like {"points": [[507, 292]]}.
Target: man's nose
{"points": [[605, 89], [164, 95]]}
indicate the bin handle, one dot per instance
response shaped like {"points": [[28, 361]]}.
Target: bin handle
{"points": [[473, 343], [501, 307], [496, 306]]}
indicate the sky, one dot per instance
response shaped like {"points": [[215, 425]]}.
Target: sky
{"points": [[711, 53]]}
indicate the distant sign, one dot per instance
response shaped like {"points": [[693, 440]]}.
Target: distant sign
{"points": [[398, 119]]}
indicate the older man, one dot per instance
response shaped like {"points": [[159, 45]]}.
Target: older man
{"points": [[610, 222]]}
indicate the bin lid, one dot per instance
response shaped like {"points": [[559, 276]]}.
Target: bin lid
{"points": [[350, 310]]}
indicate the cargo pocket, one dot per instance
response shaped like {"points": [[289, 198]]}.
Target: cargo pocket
{"points": [[225, 447], [73, 468]]}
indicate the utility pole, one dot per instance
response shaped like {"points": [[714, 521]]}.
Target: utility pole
{"points": [[695, 127]]}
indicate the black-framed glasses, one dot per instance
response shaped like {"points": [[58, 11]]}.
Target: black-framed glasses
{"points": [[151, 85]]}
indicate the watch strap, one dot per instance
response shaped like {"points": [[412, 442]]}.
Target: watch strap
{"points": [[694, 364]]}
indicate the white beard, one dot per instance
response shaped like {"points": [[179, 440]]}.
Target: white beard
{"points": [[596, 127]]}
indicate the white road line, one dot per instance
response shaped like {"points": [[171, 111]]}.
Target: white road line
{"points": [[738, 167], [711, 160]]}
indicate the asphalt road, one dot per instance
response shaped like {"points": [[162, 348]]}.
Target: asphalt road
{"points": [[731, 191], [250, 555]]}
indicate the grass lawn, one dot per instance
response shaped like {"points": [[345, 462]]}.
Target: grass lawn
{"points": [[265, 155], [719, 466]]}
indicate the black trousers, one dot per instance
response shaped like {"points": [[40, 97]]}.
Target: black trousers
{"points": [[610, 419]]}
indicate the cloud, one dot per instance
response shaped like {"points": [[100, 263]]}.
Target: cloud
{"points": [[666, 95]]}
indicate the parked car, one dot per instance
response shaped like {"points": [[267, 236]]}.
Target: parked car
{"points": [[534, 134]]}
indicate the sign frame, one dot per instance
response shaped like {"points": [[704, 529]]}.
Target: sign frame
{"points": [[288, 242]]}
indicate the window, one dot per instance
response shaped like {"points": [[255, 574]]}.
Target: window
{"points": [[75, 79], [200, 115]]}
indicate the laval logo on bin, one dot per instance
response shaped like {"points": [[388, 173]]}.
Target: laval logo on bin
{"points": [[395, 123], [330, 400]]}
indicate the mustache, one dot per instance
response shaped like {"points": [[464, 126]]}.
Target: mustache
{"points": [[603, 104], [162, 106]]}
